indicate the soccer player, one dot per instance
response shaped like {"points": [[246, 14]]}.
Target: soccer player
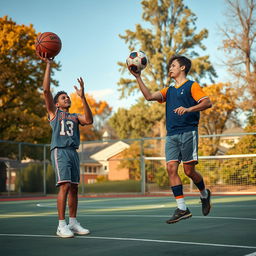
{"points": [[65, 160], [184, 101]]}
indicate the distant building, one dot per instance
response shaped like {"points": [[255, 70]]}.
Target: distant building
{"points": [[227, 142], [102, 159]]}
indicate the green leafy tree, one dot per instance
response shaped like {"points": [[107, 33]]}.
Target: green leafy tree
{"points": [[50, 180], [171, 30], [23, 115], [32, 178], [138, 121]]}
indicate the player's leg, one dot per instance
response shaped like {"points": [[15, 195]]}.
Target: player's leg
{"points": [[172, 153], [62, 199], [190, 159], [74, 225], [73, 200], [63, 179]]}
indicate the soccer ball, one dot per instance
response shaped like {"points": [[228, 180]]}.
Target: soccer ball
{"points": [[137, 61]]}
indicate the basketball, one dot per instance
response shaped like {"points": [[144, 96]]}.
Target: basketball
{"points": [[49, 43]]}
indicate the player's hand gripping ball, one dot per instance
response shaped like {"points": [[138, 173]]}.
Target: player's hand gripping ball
{"points": [[137, 61], [48, 45]]}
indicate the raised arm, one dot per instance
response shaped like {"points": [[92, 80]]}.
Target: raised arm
{"points": [[155, 96], [87, 117], [50, 106]]}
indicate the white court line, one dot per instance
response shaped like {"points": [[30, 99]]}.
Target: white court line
{"points": [[137, 240], [126, 216], [251, 254]]}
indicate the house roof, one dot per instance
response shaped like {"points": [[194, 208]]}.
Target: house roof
{"points": [[11, 163], [233, 130], [96, 152], [110, 151]]}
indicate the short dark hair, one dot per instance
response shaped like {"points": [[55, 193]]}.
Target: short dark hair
{"points": [[183, 61], [55, 99]]}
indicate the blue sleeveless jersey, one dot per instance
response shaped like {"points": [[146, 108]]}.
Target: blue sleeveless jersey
{"points": [[175, 98], [65, 130]]}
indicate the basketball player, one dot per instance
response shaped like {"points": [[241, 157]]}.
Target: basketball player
{"points": [[65, 141], [184, 101]]}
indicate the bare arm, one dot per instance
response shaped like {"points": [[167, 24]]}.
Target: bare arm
{"points": [[87, 117], [50, 106], [155, 96], [204, 104]]}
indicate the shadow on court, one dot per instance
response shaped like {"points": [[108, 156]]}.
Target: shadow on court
{"points": [[131, 226]]}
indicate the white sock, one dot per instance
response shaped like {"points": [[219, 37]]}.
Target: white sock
{"points": [[181, 204], [72, 220], [62, 223], [204, 193]]}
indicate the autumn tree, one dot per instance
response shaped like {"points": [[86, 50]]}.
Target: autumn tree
{"points": [[23, 115], [100, 110], [170, 30], [214, 120], [239, 45]]}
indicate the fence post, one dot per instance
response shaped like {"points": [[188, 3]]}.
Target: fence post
{"points": [[20, 176], [44, 178], [142, 168], [82, 171]]}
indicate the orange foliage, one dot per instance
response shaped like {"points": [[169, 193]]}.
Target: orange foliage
{"points": [[213, 120], [101, 110]]}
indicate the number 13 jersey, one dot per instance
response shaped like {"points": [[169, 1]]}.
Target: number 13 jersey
{"points": [[65, 130]]}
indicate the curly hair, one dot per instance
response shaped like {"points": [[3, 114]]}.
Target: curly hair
{"points": [[55, 99]]}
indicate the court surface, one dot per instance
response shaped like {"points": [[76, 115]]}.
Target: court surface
{"points": [[131, 226]]}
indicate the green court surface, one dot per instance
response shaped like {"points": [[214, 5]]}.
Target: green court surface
{"points": [[131, 226]]}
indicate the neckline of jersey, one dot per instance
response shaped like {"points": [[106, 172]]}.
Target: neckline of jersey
{"points": [[178, 86]]}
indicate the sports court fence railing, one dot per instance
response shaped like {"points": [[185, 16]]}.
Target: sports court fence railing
{"points": [[129, 166]]}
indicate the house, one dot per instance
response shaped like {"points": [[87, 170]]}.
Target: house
{"points": [[102, 160], [229, 139], [8, 172]]}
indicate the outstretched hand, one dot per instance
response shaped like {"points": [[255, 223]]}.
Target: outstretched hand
{"points": [[43, 57], [80, 92]]}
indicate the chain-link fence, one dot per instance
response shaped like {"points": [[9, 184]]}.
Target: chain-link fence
{"points": [[128, 166]]}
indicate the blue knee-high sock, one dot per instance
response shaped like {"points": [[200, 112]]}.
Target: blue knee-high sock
{"points": [[178, 194]]}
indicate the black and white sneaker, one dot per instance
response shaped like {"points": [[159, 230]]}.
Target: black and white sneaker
{"points": [[179, 215], [206, 203]]}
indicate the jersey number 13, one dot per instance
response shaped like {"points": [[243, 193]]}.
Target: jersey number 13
{"points": [[69, 125]]}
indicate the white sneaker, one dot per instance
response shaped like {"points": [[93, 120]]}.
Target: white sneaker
{"points": [[76, 228], [64, 232]]}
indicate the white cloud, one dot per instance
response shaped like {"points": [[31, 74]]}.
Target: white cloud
{"points": [[101, 94]]}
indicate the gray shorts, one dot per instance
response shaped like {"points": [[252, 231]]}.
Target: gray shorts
{"points": [[182, 147], [66, 165]]}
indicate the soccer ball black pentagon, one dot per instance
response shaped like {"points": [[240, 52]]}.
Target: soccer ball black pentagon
{"points": [[137, 61]]}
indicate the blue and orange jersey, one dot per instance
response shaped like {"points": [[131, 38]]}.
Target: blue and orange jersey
{"points": [[186, 95], [65, 130]]}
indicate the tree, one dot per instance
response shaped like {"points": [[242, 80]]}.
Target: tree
{"points": [[138, 121], [23, 115], [239, 45], [214, 120], [100, 110], [172, 32]]}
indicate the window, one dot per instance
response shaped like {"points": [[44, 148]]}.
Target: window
{"points": [[91, 181]]}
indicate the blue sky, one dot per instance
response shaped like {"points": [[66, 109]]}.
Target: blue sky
{"points": [[89, 32]]}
